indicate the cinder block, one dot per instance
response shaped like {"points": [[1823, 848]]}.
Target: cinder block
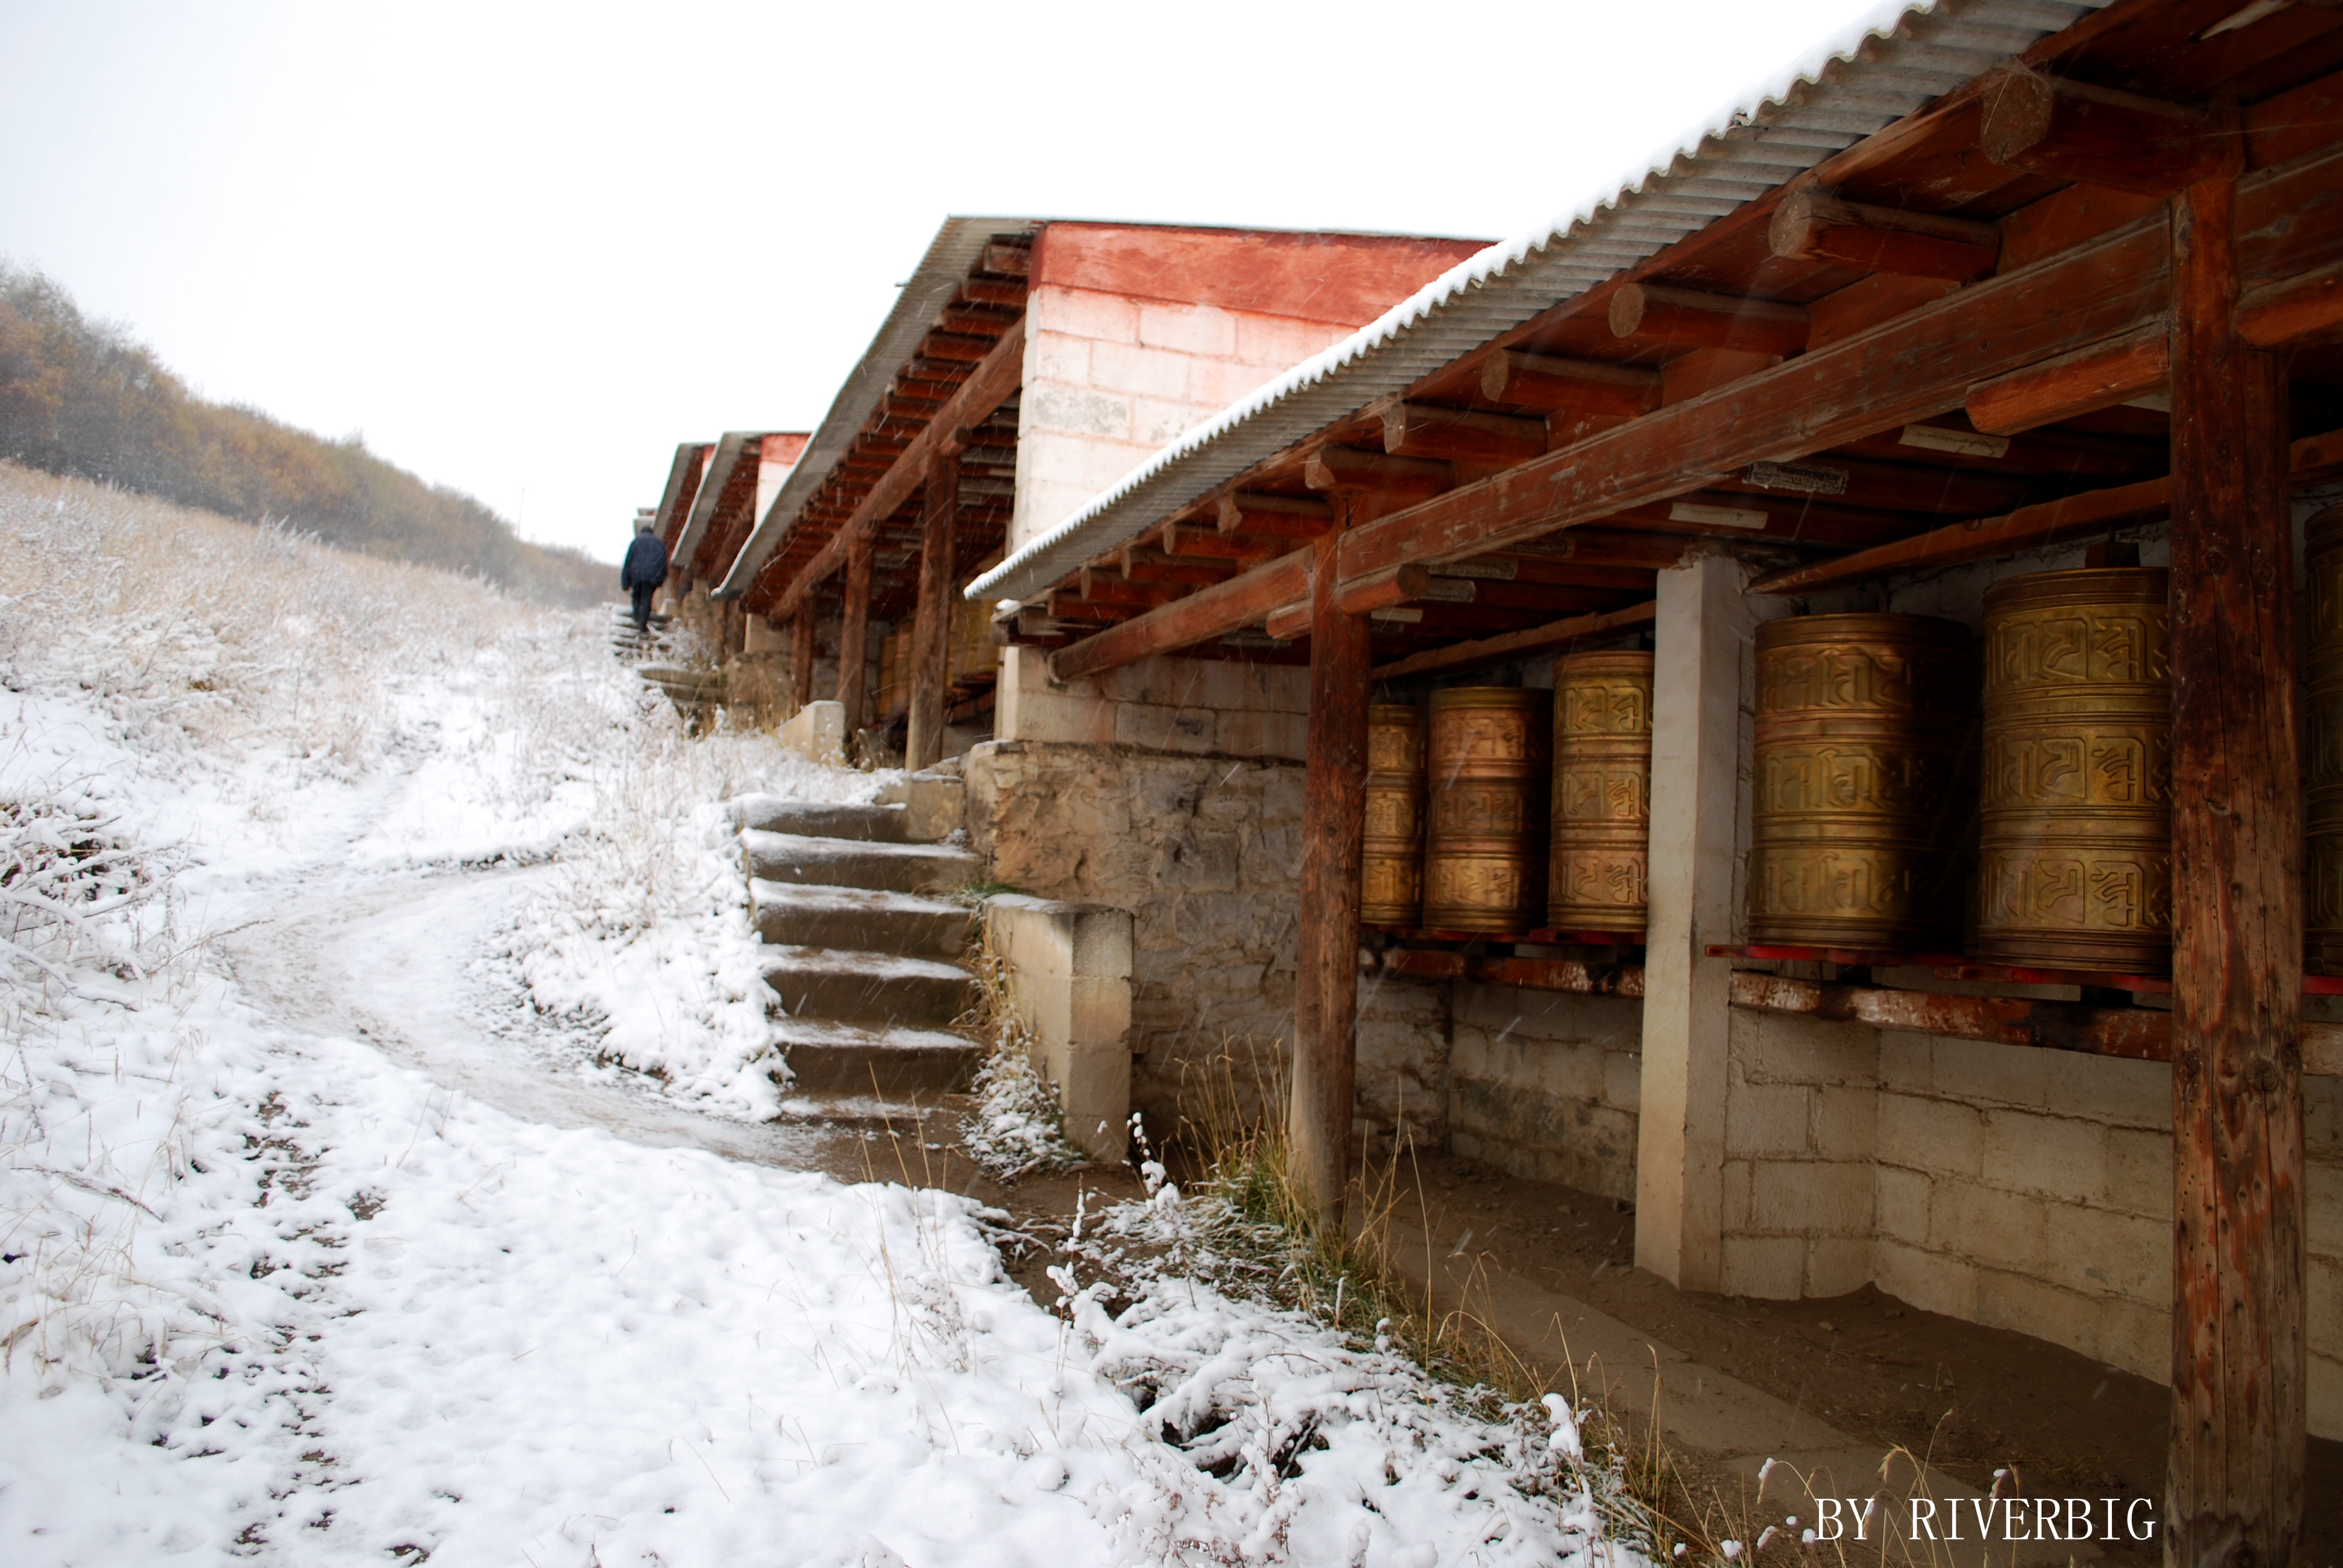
{"points": [[1837, 1265], [1083, 313], [1057, 357], [1051, 408], [1934, 1135], [1201, 329], [1900, 1204], [2137, 1337], [2103, 1254], [1932, 1281], [2327, 1397], [1140, 372], [1904, 1061], [1985, 1073], [818, 733], [1766, 1119], [1810, 1197], [2324, 1306], [1623, 1079], [1771, 1268], [2031, 1305], [1061, 717], [2139, 1173], [1736, 1197], [2051, 1155], [1846, 1122], [2322, 1116], [1160, 421], [1786, 1048], [2109, 1089], [2323, 1207], [1276, 343], [1569, 1071], [1217, 383], [1253, 733], [2004, 1230], [1163, 728]]}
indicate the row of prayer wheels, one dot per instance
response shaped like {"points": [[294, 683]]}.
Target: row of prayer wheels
{"points": [[1883, 781], [1513, 808]]}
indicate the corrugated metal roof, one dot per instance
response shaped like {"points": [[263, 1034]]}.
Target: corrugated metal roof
{"points": [[950, 255], [1891, 62]]}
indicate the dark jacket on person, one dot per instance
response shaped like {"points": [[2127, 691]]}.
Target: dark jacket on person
{"points": [[645, 563]]}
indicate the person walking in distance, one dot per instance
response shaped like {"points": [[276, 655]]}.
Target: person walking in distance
{"points": [[642, 571]]}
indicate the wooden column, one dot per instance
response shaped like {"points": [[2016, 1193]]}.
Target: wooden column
{"points": [[931, 621], [1333, 829], [2235, 1482], [801, 656], [853, 673]]}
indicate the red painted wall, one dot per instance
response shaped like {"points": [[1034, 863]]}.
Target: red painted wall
{"points": [[1345, 278]]}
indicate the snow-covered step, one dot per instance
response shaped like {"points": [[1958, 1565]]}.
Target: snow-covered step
{"points": [[826, 1056], [826, 983], [888, 824], [845, 863], [794, 915]]}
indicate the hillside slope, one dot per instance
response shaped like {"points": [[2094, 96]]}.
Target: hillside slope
{"points": [[79, 396]]}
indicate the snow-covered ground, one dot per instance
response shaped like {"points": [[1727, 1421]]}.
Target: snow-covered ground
{"points": [[383, 1169]]}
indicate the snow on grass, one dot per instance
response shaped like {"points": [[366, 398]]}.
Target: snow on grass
{"points": [[266, 1296]]}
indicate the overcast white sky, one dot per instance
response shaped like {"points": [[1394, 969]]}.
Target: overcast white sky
{"points": [[527, 248]]}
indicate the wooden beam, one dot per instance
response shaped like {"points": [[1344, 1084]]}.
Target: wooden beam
{"points": [[1349, 471], [1577, 385], [931, 618], [1814, 226], [2099, 376], [2142, 1034], [1900, 373], [1280, 516], [2311, 459], [1288, 622], [853, 665], [2234, 1478], [802, 657], [1419, 430], [998, 375], [1333, 829], [1201, 615], [2281, 315], [1657, 314], [1520, 644], [1012, 260], [2071, 130]]}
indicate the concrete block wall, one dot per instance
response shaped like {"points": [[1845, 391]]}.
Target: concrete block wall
{"points": [[2322, 1105], [1195, 707], [1068, 968], [1546, 1085], [1800, 1137]]}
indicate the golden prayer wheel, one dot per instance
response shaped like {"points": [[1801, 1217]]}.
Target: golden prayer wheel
{"points": [[1485, 853], [2075, 848], [1859, 726], [2322, 747], [1392, 870], [1602, 792], [972, 653]]}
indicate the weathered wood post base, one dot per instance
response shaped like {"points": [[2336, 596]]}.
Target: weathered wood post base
{"points": [[854, 674], [2234, 1485], [802, 657], [1326, 960], [923, 745]]}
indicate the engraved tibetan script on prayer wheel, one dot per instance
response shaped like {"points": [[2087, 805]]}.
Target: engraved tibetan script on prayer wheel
{"points": [[1859, 726], [1484, 858], [1393, 867], [2322, 747], [2075, 848], [1602, 792]]}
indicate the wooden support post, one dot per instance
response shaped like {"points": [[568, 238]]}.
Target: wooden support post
{"points": [[2234, 1492], [802, 657], [932, 620], [853, 672], [1333, 829]]}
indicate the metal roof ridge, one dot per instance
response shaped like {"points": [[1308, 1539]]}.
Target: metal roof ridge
{"points": [[1897, 53]]}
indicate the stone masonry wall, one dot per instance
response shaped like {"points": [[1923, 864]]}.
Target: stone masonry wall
{"points": [[1546, 1085], [1205, 853]]}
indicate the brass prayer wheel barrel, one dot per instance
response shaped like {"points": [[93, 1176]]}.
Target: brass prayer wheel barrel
{"points": [[1859, 726], [1391, 872], [972, 654], [2322, 747], [1602, 823], [1484, 852], [2074, 846]]}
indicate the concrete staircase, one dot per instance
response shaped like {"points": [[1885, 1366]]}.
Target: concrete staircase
{"points": [[861, 951]]}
